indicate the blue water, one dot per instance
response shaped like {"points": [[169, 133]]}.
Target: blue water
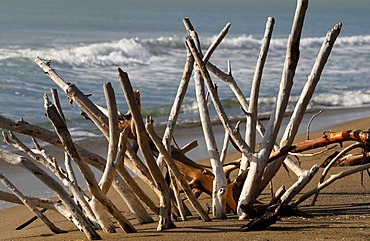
{"points": [[88, 39]]}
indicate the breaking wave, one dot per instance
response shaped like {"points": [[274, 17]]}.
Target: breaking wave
{"points": [[137, 51]]}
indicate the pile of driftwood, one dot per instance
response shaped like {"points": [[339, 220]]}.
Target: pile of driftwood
{"points": [[134, 146]]}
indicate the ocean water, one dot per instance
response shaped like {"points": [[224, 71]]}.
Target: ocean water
{"points": [[87, 40]]}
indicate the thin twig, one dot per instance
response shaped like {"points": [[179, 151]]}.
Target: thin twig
{"points": [[310, 121]]}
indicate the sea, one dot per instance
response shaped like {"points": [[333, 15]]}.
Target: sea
{"points": [[87, 40]]}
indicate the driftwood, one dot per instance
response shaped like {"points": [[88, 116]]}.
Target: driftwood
{"points": [[142, 139], [269, 215], [132, 146], [30, 206], [76, 215], [265, 215], [92, 184]]}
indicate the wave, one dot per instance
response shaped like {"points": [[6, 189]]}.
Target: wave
{"points": [[137, 51]]}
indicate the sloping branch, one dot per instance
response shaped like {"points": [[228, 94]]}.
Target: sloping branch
{"points": [[78, 218], [92, 184], [30, 205]]}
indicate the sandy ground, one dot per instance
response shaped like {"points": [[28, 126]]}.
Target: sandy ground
{"points": [[342, 212]]}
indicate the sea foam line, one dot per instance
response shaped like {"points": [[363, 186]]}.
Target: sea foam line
{"points": [[143, 51]]}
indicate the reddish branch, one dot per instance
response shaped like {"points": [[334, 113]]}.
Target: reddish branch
{"points": [[333, 137], [328, 138]]}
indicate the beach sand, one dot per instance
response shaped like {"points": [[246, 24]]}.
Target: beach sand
{"points": [[342, 212]]}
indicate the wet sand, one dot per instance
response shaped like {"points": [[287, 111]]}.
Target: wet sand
{"points": [[342, 212]]}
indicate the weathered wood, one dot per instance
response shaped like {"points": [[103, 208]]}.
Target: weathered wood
{"points": [[114, 136], [165, 221], [175, 109], [257, 165], [127, 191], [330, 164], [268, 215], [173, 167], [30, 221], [26, 128], [88, 107], [219, 189], [300, 109], [331, 138], [52, 165], [88, 175], [30, 205], [138, 191], [67, 159], [329, 181], [55, 206], [79, 219], [218, 204], [219, 109], [251, 122], [352, 160], [172, 119]]}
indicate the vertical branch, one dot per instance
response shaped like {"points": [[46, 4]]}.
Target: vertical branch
{"points": [[67, 159], [257, 165], [301, 106], [250, 134], [224, 148], [109, 171], [219, 108], [173, 167], [165, 221], [290, 64], [239, 141], [219, 206], [172, 119], [309, 88]]}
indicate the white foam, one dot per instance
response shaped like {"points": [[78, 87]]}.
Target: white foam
{"points": [[143, 51], [343, 99]]}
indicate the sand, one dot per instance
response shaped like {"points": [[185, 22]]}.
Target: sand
{"points": [[342, 212]]}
